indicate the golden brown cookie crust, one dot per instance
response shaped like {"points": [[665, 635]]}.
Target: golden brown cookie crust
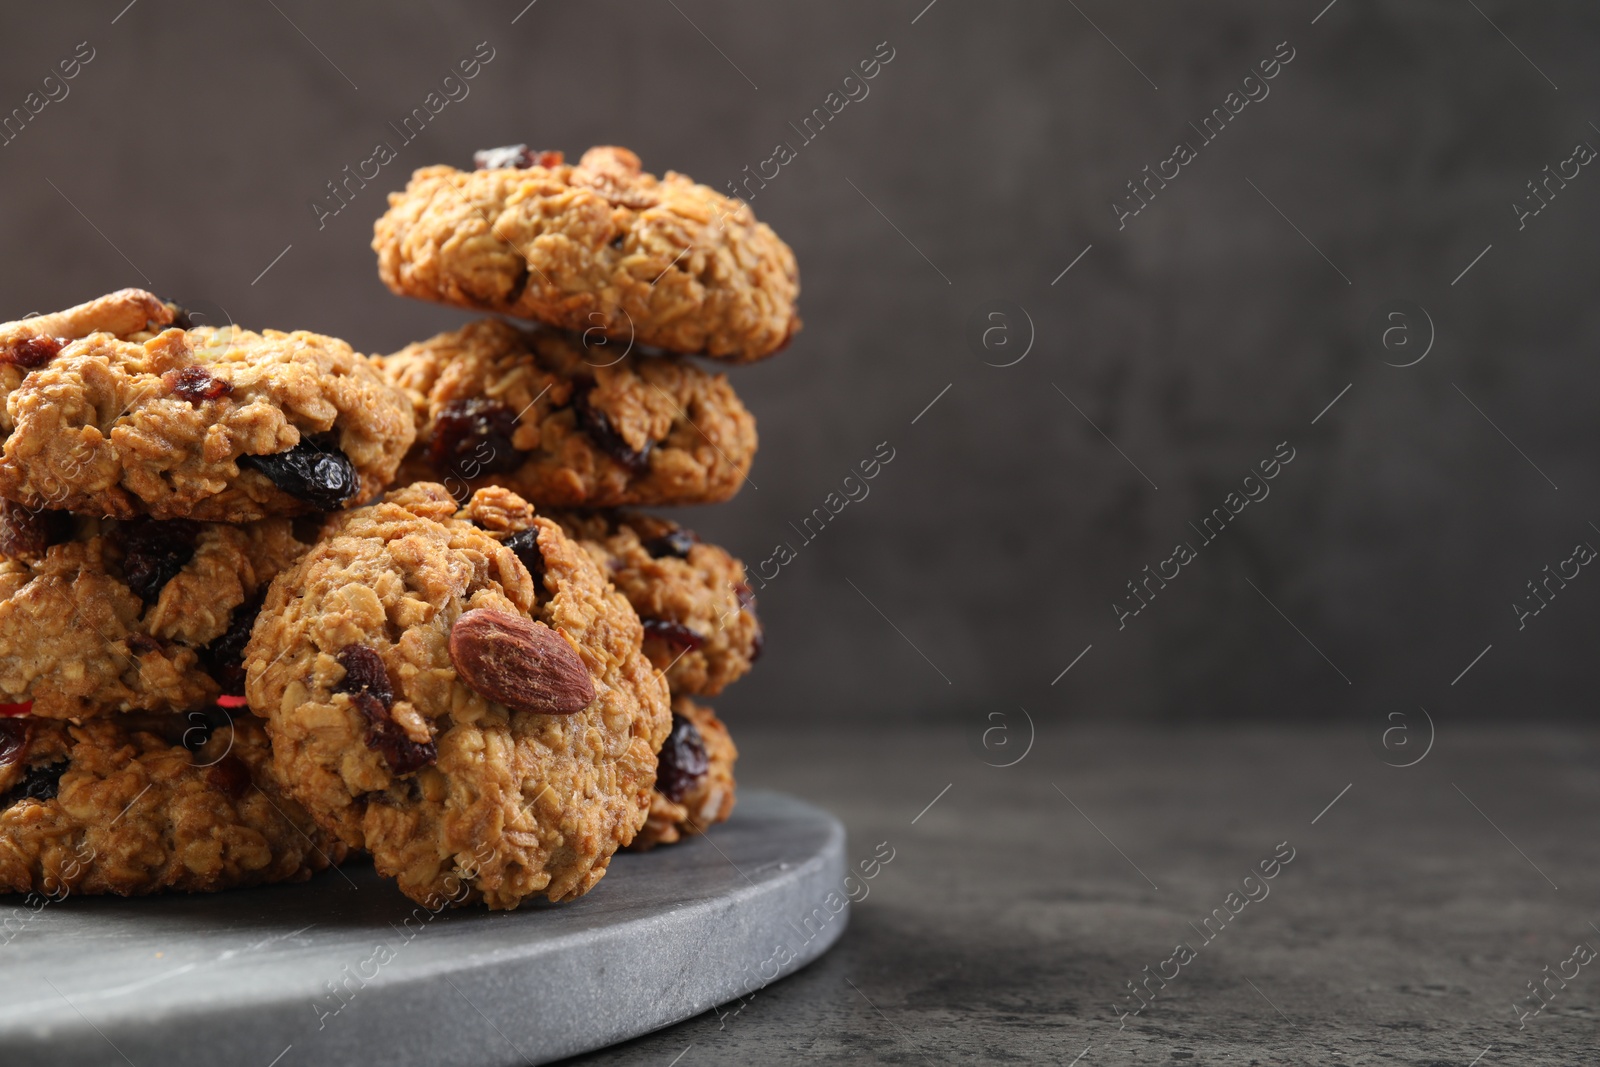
{"points": [[133, 811], [681, 432], [513, 803], [107, 425], [710, 800], [700, 624], [600, 245], [78, 641]]}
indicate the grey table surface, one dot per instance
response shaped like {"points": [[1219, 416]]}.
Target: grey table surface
{"points": [[1416, 909]]}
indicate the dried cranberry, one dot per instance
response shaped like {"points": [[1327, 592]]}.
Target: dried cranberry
{"points": [[224, 657], [597, 424], [364, 672], [13, 743], [682, 761], [677, 543], [11, 711], [675, 634], [230, 775], [514, 157], [747, 597], [472, 437], [387, 739], [524, 544], [313, 471], [31, 352], [39, 783], [195, 384], [154, 551]]}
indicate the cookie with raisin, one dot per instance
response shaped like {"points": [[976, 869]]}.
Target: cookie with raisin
{"points": [[600, 246], [567, 423], [148, 804], [99, 616], [106, 415], [461, 694], [699, 614], [694, 777]]}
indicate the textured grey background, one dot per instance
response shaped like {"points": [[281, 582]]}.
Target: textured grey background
{"points": [[1197, 338]]}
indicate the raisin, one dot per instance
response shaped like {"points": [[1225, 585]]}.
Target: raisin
{"points": [[315, 472], [682, 761], [597, 424], [154, 551], [181, 318], [675, 634], [524, 544], [230, 775], [677, 544], [514, 157], [31, 352], [364, 672], [367, 682], [757, 643], [472, 438], [40, 783], [26, 534], [387, 739], [13, 743], [195, 384], [224, 658]]}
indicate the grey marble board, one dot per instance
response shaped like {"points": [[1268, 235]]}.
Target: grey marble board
{"points": [[344, 970]]}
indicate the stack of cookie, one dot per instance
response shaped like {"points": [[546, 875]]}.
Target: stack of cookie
{"points": [[264, 601]]}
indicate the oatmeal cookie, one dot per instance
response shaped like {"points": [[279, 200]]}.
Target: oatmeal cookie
{"points": [[462, 695], [104, 615], [598, 246], [694, 777], [570, 425], [218, 424], [699, 615], [144, 804]]}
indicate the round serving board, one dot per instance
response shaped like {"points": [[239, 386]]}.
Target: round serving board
{"points": [[343, 969]]}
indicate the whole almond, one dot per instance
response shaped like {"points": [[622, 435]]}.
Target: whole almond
{"points": [[520, 663]]}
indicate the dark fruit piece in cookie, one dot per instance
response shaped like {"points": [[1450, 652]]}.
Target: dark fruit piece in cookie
{"points": [[675, 634], [364, 672], [27, 534], [676, 544], [472, 437], [40, 783], [229, 775], [31, 352], [387, 739], [154, 551], [13, 743], [224, 657], [514, 157], [367, 681], [319, 474], [597, 425], [196, 384], [682, 761], [524, 544]]}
